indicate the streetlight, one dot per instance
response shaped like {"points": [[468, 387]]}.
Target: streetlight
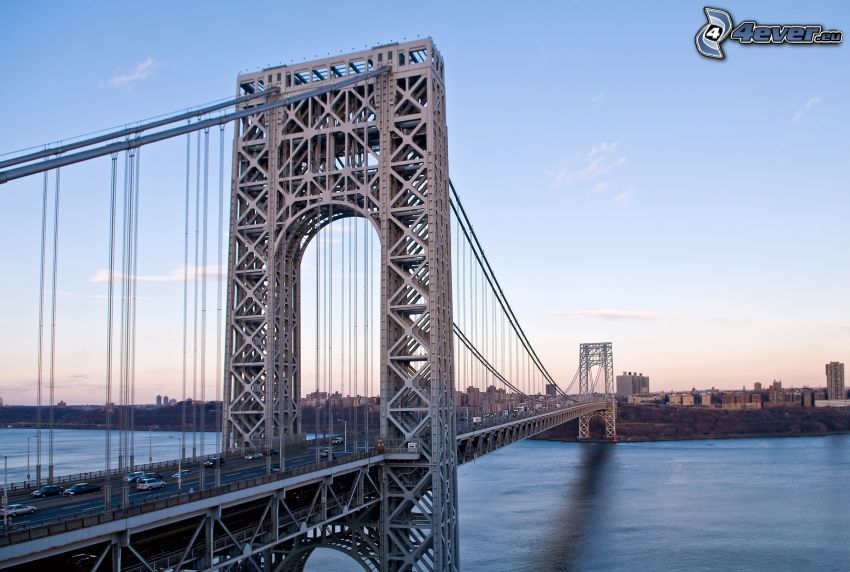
{"points": [[28, 456], [150, 447], [345, 433]]}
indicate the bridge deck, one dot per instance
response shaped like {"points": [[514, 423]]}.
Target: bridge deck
{"points": [[305, 498]]}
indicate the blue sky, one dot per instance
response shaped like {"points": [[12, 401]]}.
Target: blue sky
{"points": [[694, 212]]}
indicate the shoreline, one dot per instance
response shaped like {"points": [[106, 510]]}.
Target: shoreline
{"points": [[697, 438]]}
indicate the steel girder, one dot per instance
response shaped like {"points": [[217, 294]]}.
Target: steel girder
{"points": [[474, 444], [376, 150], [590, 356]]}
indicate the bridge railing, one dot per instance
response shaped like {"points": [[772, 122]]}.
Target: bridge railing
{"points": [[22, 532], [27, 486]]}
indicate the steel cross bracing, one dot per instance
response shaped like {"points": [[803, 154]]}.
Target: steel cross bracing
{"points": [[377, 150], [598, 355]]}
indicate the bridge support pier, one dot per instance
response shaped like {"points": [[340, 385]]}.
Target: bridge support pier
{"points": [[597, 355]]}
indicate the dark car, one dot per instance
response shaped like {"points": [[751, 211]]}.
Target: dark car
{"points": [[150, 476], [81, 488], [47, 491], [212, 462]]}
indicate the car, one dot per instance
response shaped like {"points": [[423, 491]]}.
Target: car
{"points": [[134, 476], [46, 491], [17, 510], [212, 462], [149, 484], [324, 453], [81, 488], [337, 441], [252, 456], [150, 476], [181, 474]]}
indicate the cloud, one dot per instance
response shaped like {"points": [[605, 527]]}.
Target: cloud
{"points": [[807, 106], [141, 71], [625, 197], [599, 187], [620, 315], [175, 275], [602, 158], [597, 98], [646, 316]]}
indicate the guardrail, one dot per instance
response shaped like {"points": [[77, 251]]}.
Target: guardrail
{"points": [[23, 532], [26, 486]]}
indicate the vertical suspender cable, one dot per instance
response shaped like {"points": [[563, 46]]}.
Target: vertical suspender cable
{"points": [[40, 330], [53, 324], [185, 294], [355, 370], [204, 291], [134, 249], [367, 317], [219, 294], [330, 319], [107, 499], [317, 406], [195, 300]]}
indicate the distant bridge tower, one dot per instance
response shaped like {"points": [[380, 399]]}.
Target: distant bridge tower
{"points": [[375, 149], [601, 355]]}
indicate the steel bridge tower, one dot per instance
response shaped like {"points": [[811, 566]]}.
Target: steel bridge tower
{"points": [[590, 356], [376, 149]]}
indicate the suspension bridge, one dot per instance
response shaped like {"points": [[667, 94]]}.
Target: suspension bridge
{"points": [[353, 273]]}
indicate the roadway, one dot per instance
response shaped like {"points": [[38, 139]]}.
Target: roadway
{"points": [[57, 508]]}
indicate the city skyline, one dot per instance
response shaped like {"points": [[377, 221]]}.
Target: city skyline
{"points": [[707, 214]]}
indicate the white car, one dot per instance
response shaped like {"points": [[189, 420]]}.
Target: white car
{"points": [[17, 509], [149, 484], [252, 456]]}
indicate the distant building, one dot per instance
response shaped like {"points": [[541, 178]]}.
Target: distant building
{"points": [[835, 380], [639, 399], [686, 399], [551, 390], [1, 402], [741, 400], [631, 383], [757, 386], [776, 395], [159, 401]]}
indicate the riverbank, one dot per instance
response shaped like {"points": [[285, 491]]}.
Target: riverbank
{"points": [[640, 423]]}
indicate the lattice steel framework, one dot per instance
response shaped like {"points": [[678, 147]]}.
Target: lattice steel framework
{"points": [[378, 150], [590, 356]]}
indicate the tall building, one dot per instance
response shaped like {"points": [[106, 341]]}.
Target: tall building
{"points": [[631, 383], [835, 380], [159, 401]]}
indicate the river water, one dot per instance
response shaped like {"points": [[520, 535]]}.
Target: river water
{"points": [[774, 504]]}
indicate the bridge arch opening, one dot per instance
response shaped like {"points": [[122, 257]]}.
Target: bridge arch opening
{"points": [[323, 558], [339, 333]]}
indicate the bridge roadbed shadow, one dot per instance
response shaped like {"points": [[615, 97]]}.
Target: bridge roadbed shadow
{"points": [[580, 504]]}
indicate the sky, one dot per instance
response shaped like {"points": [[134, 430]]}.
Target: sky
{"points": [[693, 212]]}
